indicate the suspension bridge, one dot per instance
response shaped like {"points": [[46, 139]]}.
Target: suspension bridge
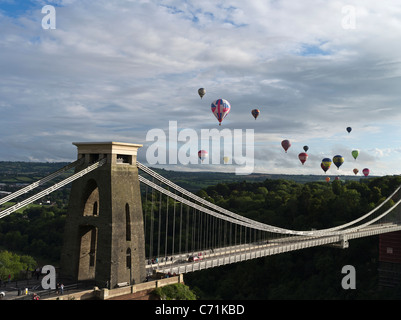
{"points": [[146, 223]]}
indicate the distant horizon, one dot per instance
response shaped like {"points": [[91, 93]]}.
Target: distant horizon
{"points": [[211, 171]]}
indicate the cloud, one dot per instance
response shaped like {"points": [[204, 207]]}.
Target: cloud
{"points": [[114, 70]]}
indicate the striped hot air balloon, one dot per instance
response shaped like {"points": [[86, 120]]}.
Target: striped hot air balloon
{"points": [[202, 154]]}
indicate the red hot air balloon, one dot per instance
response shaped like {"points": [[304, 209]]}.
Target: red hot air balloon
{"points": [[285, 144], [202, 154], [302, 157], [365, 172]]}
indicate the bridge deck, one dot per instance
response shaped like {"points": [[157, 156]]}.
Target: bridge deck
{"points": [[233, 254]]}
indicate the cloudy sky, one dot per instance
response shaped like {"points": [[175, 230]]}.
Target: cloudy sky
{"points": [[116, 70]]}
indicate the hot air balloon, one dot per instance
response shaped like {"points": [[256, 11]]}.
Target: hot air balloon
{"points": [[302, 157], [338, 161], [349, 129], [365, 172], [326, 162], [201, 92], [306, 148], [220, 109], [327, 179], [255, 113], [355, 171], [226, 159], [355, 153], [324, 167], [202, 154], [285, 144]]}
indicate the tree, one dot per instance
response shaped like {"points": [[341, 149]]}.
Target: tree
{"points": [[177, 291], [13, 264]]}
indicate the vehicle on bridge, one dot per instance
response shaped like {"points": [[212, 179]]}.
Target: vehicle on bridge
{"points": [[194, 258]]}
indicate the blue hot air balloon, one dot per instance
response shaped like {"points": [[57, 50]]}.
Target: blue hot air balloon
{"points": [[338, 161]]}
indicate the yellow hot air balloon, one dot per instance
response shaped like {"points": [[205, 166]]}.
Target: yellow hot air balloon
{"points": [[338, 160]]}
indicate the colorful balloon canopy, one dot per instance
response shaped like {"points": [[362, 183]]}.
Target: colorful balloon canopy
{"points": [[306, 148], [303, 157], [355, 153], [338, 161], [286, 144], [327, 179], [366, 172], [326, 163], [255, 113], [201, 92], [355, 171], [349, 129], [202, 154], [220, 109]]}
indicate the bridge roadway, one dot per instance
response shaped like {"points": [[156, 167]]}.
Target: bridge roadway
{"points": [[222, 256]]}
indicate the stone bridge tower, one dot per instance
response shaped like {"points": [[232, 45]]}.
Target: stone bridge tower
{"points": [[104, 236]]}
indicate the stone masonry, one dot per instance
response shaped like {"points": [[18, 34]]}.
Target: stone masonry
{"points": [[104, 237]]}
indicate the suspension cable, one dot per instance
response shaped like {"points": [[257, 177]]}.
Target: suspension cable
{"points": [[41, 181], [262, 226], [49, 190]]}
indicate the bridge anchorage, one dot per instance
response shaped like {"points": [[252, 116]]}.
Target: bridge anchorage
{"points": [[123, 226]]}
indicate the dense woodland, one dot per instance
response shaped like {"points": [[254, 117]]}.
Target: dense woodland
{"points": [[34, 236], [311, 273]]}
